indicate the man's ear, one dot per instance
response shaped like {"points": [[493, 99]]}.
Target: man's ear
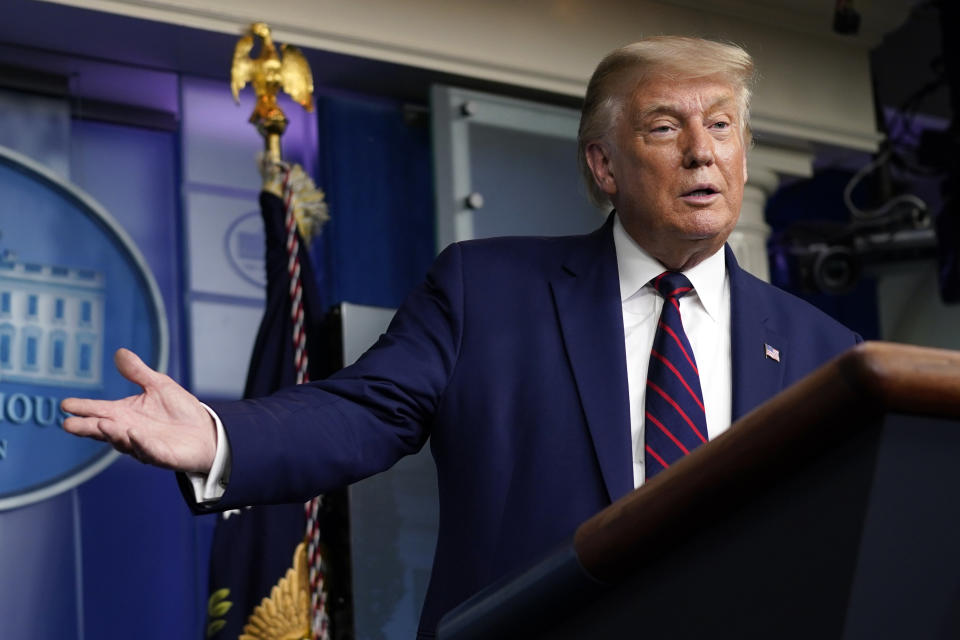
{"points": [[600, 161]]}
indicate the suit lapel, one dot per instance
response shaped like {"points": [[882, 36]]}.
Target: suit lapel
{"points": [[586, 293], [757, 372]]}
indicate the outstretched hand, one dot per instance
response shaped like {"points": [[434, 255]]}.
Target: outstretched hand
{"points": [[165, 425]]}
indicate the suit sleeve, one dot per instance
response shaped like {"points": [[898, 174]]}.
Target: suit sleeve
{"points": [[316, 437]]}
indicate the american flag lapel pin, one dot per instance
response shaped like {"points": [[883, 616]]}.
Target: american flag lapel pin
{"points": [[771, 352]]}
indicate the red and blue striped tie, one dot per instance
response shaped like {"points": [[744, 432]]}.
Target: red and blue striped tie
{"points": [[675, 421]]}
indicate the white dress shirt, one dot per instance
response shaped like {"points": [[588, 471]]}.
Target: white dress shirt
{"points": [[706, 320], [705, 312]]}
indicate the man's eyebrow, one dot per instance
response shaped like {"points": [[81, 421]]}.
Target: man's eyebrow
{"points": [[721, 101], [669, 109], [657, 109]]}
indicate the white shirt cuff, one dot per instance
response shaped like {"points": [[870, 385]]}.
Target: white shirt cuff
{"points": [[210, 487]]}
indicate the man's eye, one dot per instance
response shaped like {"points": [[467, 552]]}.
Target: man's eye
{"points": [[721, 124], [661, 129]]}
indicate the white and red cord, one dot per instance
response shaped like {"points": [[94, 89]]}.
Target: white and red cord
{"points": [[319, 620]]}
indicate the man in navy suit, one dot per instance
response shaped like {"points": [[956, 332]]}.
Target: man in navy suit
{"points": [[524, 359]]}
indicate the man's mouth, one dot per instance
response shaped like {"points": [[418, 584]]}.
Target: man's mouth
{"points": [[700, 192], [702, 195]]}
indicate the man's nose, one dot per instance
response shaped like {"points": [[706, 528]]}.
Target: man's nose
{"points": [[697, 148]]}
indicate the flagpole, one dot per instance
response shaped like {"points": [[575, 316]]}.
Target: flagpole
{"points": [[272, 71], [271, 131]]}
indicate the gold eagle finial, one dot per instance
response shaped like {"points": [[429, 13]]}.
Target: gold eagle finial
{"points": [[269, 73]]}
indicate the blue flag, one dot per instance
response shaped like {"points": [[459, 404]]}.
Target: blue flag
{"points": [[253, 549]]}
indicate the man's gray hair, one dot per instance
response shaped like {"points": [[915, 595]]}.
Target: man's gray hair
{"points": [[676, 57]]}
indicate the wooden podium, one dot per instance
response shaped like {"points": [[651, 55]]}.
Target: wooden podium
{"points": [[831, 511]]}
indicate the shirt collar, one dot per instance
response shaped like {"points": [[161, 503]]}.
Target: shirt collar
{"points": [[636, 268]]}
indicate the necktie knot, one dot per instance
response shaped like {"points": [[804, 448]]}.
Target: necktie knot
{"points": [[672, 284]]}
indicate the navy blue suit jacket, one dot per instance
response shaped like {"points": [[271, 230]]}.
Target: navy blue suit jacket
{"points": [[510, 357]]}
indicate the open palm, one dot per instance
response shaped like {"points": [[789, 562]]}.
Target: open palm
{"points": [[165, 425]]}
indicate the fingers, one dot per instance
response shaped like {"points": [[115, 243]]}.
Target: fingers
{"points": [[100, 429], [83, 426], [88, 407], [106, 430], [134, 369], [95, 419]]}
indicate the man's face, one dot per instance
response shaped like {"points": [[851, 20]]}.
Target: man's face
{"points": [[674, 167]]}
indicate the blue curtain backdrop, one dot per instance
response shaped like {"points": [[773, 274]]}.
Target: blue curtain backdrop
{"points": [[375, 169]]}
